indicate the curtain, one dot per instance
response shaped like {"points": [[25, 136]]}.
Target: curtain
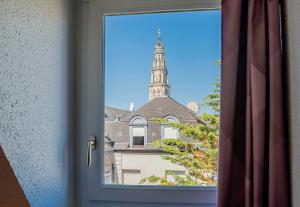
{"points": [[253, 159], [11, 194]]}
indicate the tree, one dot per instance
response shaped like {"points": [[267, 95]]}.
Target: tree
{"points": [[199, 155]]}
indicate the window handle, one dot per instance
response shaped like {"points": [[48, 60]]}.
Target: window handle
{"points": [[91, 146]]}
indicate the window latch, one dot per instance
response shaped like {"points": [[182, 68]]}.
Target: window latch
{"points": [[91, 146]]}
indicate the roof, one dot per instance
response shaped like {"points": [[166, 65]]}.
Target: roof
{"points": [[117, 129], [161, 107], [111, 114]]}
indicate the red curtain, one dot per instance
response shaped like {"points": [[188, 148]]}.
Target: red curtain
{"points": [[11, 194], [253, 159]]}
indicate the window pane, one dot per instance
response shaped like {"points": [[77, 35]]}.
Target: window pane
{"points": [[138, 140], [169, 132], [131, 177], [138, 131], [159, 69]]}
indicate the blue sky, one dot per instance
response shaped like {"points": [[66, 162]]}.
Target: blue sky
{"points": [[192, 44]]}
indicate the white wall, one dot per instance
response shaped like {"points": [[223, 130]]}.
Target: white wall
{"points": [[293, 19], [35, 68], [147, 163]]}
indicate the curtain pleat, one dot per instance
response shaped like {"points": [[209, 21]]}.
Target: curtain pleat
{"points": [[253, 156]]}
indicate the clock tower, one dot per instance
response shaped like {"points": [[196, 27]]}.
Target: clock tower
{"points": [[159, 85]]}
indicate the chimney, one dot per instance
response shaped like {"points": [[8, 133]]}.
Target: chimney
{"points": [[132, 106], [193, 106]]}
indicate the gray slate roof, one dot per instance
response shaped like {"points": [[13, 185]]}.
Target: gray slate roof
{"points": [[163, 106], [111, 114], [117, 129]]}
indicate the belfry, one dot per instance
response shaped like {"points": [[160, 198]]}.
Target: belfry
{"points": [[159, 85]]}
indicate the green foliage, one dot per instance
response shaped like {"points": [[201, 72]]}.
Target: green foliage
{"points": [[199, 155], [213, 99], [178, 181]]}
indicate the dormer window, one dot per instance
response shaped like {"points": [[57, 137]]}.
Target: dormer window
{"points": [[168, 131], [138, 132], [138, 135]]}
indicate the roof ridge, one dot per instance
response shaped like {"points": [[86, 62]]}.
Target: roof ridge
{"points": [[171, 99], [109, 107]]}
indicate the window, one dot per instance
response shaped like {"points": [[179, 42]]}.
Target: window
{"points": [[131, 177], [138, 140], [148, 104], [168, 131], [137, 132], [172, 175], [160, 91], [165, 105]]}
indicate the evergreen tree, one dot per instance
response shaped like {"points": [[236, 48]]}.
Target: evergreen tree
{"points": [[199, 155]]}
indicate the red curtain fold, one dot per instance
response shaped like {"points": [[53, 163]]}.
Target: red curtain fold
{"points": [[253, 157], [11, 193]]}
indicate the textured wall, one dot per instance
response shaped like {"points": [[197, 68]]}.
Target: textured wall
{"points": [[293, 17], [34, 96]]}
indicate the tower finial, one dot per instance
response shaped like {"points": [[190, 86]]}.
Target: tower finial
{"points": [[158, 34]]}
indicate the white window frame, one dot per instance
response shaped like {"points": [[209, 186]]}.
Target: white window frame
{"points": [[92, 123], [132, 124]]}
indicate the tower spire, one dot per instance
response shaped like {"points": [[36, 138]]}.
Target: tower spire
{"points": [[158, 35], [159, 85]]}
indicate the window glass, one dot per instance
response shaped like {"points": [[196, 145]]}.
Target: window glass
{"points": [[169, 132], [159, 69], [131, 177], [138, 140], [138, 131]]}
